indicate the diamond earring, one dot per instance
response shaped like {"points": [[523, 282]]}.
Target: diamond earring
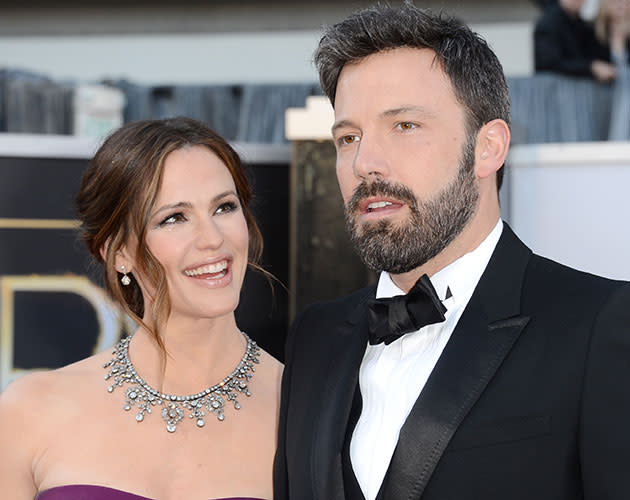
{"points": [[125, 280]]}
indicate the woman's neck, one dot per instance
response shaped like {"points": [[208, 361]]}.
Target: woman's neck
{"points": [[199, 353]]}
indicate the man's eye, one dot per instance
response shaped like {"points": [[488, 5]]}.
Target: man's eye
{"points": [[172, 219], [228, 206], [344, 140], [407, 126]]}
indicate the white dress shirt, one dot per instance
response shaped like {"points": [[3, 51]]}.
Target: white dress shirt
{"points": [[392, 376]]}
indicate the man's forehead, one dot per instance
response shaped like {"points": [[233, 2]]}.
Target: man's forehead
{"points": [[389, 82], [400, 65], [420, 53]]}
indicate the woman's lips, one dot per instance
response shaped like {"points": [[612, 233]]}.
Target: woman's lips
{"points": [[217, 275], [209, 271], [214, 275]]}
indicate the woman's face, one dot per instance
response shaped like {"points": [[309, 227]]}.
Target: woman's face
{"points": [[198, 233]]}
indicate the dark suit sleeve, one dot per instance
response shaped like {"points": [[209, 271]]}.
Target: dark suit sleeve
{"points": [[605, 419], [280, 473]]}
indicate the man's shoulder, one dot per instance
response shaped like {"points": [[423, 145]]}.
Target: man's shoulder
{"points": [[551, 278], [541, 272], [555, 270]]}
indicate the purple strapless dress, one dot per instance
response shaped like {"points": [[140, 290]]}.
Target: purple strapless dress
{"points": [[89, 492]]}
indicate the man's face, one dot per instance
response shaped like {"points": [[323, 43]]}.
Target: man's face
{"points": [[404, 163]]}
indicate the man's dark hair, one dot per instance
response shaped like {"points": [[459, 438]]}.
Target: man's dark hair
{"points": [[472, 67]]}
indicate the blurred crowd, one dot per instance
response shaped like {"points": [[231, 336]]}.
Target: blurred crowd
{"points": [[566, 43]]}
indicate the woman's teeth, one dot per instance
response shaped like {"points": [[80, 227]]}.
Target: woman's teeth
{"points": [[218, 267]]}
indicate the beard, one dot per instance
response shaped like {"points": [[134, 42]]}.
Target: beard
{"points": [[431, 226]]}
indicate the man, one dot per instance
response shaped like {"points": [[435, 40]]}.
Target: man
{"points": [[564, 43], [509, 382]]}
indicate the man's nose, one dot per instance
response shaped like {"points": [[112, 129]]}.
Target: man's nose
{"points": [[370, 160]]}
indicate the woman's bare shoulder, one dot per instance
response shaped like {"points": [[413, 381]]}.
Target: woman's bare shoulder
{"points": [[33, 413], [25, 411], [50, 388]]}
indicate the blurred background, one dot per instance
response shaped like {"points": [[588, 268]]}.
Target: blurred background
{"points": [[72, 72], [233, 63]]}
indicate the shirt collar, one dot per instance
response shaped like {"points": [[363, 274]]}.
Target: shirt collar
{"points": [[461, 276]]}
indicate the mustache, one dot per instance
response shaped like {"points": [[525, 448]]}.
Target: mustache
{"points": [[380, 188]]}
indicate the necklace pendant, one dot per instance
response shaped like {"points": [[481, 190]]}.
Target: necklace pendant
{"points": [[215, 404], [172, 414]]}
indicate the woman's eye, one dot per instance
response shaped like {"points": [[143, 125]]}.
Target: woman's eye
{"points": [[228, 206], [173, 219]]}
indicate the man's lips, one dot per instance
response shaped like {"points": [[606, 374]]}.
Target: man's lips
{"points": [[379, 205]]}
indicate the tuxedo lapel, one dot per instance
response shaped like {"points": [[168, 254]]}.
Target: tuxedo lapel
{"points": [[483, 337], [352, 490], [342, 377]]}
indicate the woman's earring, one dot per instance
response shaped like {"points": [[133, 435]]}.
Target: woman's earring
{"points": [[125, 280]]}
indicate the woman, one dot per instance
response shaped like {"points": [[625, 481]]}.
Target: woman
{"points": [[612, 27], [187, 408]]}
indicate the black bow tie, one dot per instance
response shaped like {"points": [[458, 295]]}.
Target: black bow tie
{"points": [[389, 319]]}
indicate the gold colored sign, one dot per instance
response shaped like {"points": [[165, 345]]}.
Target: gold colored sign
{"points": [[14, 223], [110, 321]]}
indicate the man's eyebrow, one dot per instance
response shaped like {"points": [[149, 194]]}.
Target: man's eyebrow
{"points": [[341, 124], [409, 109], [421, 110]]}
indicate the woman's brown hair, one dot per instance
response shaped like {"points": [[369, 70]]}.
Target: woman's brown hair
{"points": [[118, 192]]}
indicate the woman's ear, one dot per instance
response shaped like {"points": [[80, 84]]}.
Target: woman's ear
{"points": [[121, 259], [493, 142], [103, 251]]}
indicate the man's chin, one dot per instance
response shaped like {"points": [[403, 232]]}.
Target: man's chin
{"points": [[364, 224]]}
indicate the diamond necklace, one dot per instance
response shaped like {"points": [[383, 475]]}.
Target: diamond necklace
{"points": [[213, 399]]}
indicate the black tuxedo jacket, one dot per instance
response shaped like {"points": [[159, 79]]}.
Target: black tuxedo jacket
{"points": [[529, 400]]}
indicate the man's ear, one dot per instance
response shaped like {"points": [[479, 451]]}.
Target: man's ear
{"points": [[493, 142]]}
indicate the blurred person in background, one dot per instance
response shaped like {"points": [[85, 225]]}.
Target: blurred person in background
{"points": [[187, 406], [564, 43], [612, 27]]}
